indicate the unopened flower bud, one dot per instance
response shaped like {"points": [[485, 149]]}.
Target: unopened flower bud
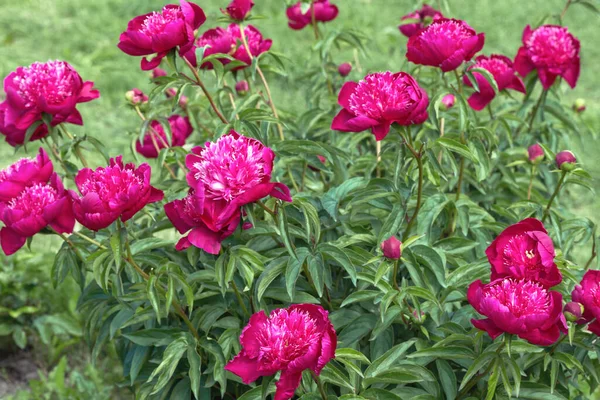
{"points": [[448, 101], [345, 69], [247, 225], [392, 248], [565, 161], [136, 97], [242, 88], [536, 153], [579, 106], [573, 311]]}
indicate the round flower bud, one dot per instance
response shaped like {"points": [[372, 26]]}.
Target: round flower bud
{"points": [[573, 311], [565, 161], [392, 248], [242, 88], [579, 106], [536, 153], [448, 101], [136, 97], [345, 69]]}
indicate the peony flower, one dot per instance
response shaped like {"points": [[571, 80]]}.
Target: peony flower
{"points": [[519, 307], [552, 51], [446, 44], [112, 192], [238, 9], [565, 160], [242, 88], [156, 139], [535, 153], [135, 96], [587, 293], [524, 250], [289, 340], [424, 15], [392, 248], [36, 207], [448, 101], [502, 70], [25, 172], [162, 31], [323, 12], [379, 100], [53, 88], [345, 69]]}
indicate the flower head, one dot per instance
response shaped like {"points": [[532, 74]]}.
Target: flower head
{"points": [[565, 160], [135, 96], [319, 10], [448, 101], [156, 139], [535, 153], [345, 69], [25, 172], [587, 293], [238, 9], [423, 16], [392, 248]]}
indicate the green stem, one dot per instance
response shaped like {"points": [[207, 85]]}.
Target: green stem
{"points": [[558, 186], [533, 171], [395, 274], [314, 20], [239, 298], [419, 158], [89, 239], [319, 385], [474, 381], [77, 150], [199, 82], [267, 209], [533, 113], [461, 174], [69, 243], [458, 82], [593, 255]]}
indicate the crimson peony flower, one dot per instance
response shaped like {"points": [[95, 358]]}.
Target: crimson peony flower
{"points": [[502, 70], [53, 88], [565, 160], [524, 250], [323, 12], [238, 9], [448, 101], [156, 139], [162, 31], [345, 69], [535, 153], [289, 340], [36, 207], [379, 100], [112, 192], [552, 51], [520, 307], [392, 248], [588, 294], [25, 172], [425, 14], [446, 43]]}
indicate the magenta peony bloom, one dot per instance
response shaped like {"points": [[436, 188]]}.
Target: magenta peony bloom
{"points": [[520, 307], [345, 69], [162, 31], [36, 207], [392, 248], [446, 44], [112, 192], [424, 15], [156, 139], [588, 294], [379, 100], [535, 153], [565, 160], [135, 96], [323, 12], [238, 9], [552, 51], [448, 101], [289, 340], [242, 88], [25, 172], [524, 250], [502, 70], [16, 137]]}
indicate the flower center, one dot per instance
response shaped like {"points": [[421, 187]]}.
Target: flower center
{"points": [[52, 81], [495, 66], [379, 92], [34, 199], [519, 296], [14, 169], [109, 182], [453, 32], [156, 22], [552, 46], [521, 251]]}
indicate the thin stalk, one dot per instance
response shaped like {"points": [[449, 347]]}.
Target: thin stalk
{"points": [[395, 274], [314, 20], [419, 158], [89, 239], [239, 299], [264, 207], [232, 101], [70, 243], [564, 11], [171, 172], [558, 186], [489, 108], [77, 150], [533, 113], [304, 168], [593, 255], [319, 385], [458, 82], [199, 83], [378, 149], [533, 171], [442, 123], [461, 174]]}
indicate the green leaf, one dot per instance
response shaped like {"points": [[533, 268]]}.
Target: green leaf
{"points": [[455, 245], [456, 147], [431, 259], [341, 257], [487, 76], [155, 336], [446, 353], [351, 354], [480, 362], [492, 382], [389, 358], [447, 379], [273, 270], [170, 360], [333, 375], [64, 262], [153, 296], [360, 295], [401, 375], [195, 368]]}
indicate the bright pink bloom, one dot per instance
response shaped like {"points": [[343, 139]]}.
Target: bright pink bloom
{"points": [[36, 207], [162, 31], [565, 160], [112, 192], [242, 87], [25, 172], [323, 12], [181, 129], [345, 69], [392, 248], [502, 70], [552, 51], [424, 15], [588, 294], [448, 101], [16, 137], [446, 44], [536, 153], [289, 340], [238, 9], [379, 100], [135, 96], [524, 250]]}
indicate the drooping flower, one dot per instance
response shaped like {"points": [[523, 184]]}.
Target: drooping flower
{"points": [[524, 250], [238, 9], [392, 248], [23, 173], [136, 97], [156, 139], [36, 207], [520, 307], [320, 10], [535, 153], [425, 15], [448, 101], [289, 340], [565, 160], [345, 69], [379, 100], [112, 192], [162, 31], [587, 293], [552, 51], [446, 44], [504, 74]]}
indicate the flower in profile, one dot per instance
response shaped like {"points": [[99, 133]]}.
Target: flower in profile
{"points": [[446, 44], [289, 340], [238, 9], [345, 69], [156, 139], [392, 248], [565, 160], [136, 97], [23, 173], [36, 207], [504, 74], [552, 51], [520, 307], [112, 192], [319, 10], [524, 250], [587, 293], [448, 101], [535, 153], [379, 100], [162, 31], [423, 16]]}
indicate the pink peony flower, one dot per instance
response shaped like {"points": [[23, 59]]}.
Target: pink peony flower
{"points": [[25, 172], [588, 294], [502, 70], [289, 340], [162, 31], [565, 160], [392, 248], [135, 96], [345, 69], [535, 153], [323, 12], [112, 192], [36, 207], [156, 139], [520, 307], [379, 100], [16, 137], [242, 88], [424, 15], [446, 44], [524, 250], [552, 51], [448, 101], [238, 9]]}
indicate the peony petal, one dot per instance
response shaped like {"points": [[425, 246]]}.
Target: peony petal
{"points": [[287, 384], [11, 241], [244, 367], [488, 326]]}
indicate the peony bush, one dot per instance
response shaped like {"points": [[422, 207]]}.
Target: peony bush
{"points": [[395, 235]]}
